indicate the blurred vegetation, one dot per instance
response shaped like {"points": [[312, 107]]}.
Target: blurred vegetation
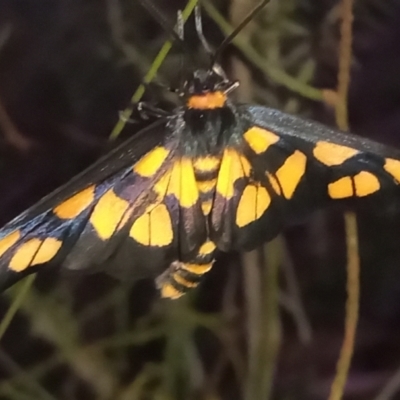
{"points": [[268, 324]]}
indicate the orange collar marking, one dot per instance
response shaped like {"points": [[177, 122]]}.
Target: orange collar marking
{"points": [[207, 101]]}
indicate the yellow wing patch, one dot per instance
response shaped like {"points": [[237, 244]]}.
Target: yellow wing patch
{"points": [[393, 168], [332, 154], [183, 183], [34, 252], [107, 214], [153, 228], [8, 241], [365, 184], [72, 207], [234, 166], [274, 183], [341, 188], [291, 172], [362, 184], [260, 139], [151, 162], [253, 203]]}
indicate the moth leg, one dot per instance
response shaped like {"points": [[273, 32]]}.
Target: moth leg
{"points": [[182, 276]]}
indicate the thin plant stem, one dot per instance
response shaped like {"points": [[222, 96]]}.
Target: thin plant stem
{"points": [[22, 291], [353, 262], [155, 66], [274, 73]]}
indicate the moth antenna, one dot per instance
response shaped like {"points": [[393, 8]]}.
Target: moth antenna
{"points": [[237, 30], [199, 29], [175, 32]]}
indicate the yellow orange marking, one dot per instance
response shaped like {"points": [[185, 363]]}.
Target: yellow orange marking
{"points": [[366, 183], [47, 251], [206, 206], [206, 164], [197, 269], [170, 292], [183, 183], [73, 206], [108, 214], [393, 168], [125, 218], [207, 248], [291, 172], [274, 183], [207, 101], [24, 254], [333, 154], [260, 139], [233, 167], [252, 205], [341, 188], [184, 282], [148, 165], [206, 186], [153, 228], [161, 185], [8, 241]]}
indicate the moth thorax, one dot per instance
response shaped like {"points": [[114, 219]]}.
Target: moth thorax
{"points": [[206, 170]]}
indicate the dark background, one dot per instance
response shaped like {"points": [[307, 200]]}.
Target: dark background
{"points": [[67, 67]]}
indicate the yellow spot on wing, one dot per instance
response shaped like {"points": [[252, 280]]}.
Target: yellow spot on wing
{"points": [[233, 167], [274, 183], [47, 251], [8, 241], [393, 168], [254, 201], [34, 252], [341, 188], [333, 154], [183, 183], [153, 228], [148, 165], [73, 206], [260, 139], [161, 185], [291, 172], [206, 164], [366, 183], [107, 214], [24, 255]]}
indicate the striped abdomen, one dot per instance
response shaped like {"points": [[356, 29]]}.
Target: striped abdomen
{"points": [[206, 172]]}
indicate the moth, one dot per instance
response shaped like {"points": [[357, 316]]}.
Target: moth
{"points": [[211, 175]]}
